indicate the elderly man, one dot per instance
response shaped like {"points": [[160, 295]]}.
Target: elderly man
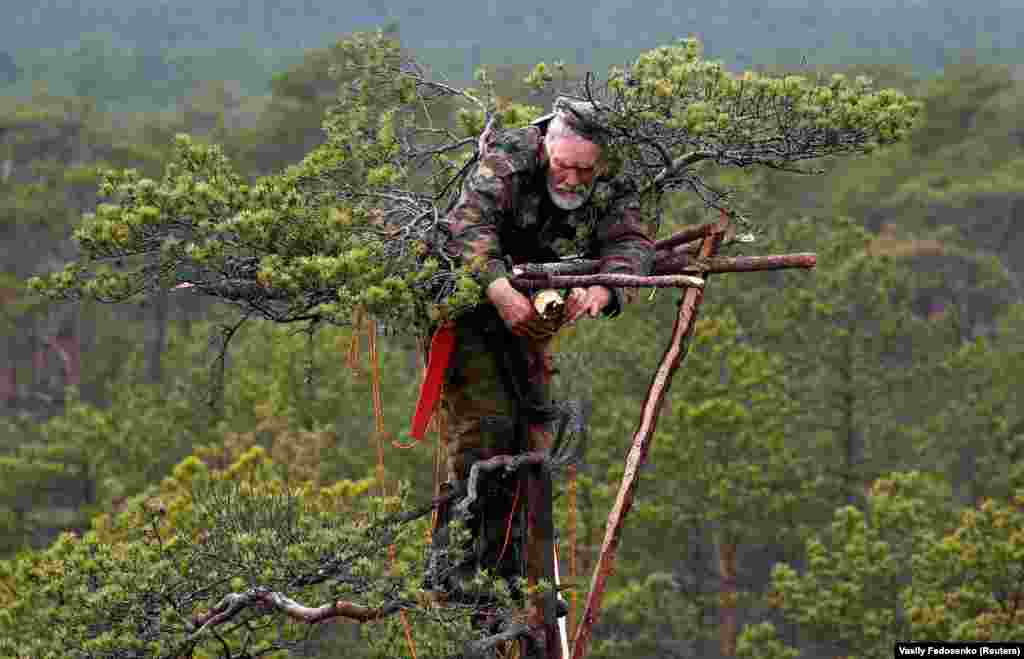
{"points": [[535, 193]]}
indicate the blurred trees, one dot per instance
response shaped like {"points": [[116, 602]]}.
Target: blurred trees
{"points": [[780, 510], [909, 566], [873, 355], [10, 72]]}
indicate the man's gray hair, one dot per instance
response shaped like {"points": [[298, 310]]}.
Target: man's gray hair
{"points": [[560, 129], [575, 119]]}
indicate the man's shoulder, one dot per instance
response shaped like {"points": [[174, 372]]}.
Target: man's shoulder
{"points": [[515, 150]]}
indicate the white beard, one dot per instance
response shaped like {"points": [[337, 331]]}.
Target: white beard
{"points": [[568, 201]]}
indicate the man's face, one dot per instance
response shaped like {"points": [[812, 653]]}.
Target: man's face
{"points": [[572, 165]]}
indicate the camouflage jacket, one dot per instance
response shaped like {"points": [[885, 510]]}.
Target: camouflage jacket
{"points": [[504, 214]]}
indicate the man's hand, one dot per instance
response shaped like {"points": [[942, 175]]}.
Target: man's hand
{"points": [[586, 300], [516, 310]]}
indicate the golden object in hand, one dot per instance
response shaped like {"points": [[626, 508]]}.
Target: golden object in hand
{"points": [[549, 304]]}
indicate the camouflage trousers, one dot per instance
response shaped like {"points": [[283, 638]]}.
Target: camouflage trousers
{"points": [[497, 402]]}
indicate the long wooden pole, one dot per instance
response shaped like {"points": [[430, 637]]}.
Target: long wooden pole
{"points": [[670, 263], [642, 440]]}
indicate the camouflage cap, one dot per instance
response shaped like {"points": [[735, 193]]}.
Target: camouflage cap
{"points": [[581, 116]]}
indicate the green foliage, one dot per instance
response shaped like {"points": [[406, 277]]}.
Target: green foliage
{"points": [[97, 452], [312, 413], [975, 433], [908, 567], [310, 236], [136, 580], [223, 527], [760, 641], [723, 459], [289, 394], [700, 112], [744, 471], [849, 356], [966, 584], [843, 358], [959, 170], [344, 230]]}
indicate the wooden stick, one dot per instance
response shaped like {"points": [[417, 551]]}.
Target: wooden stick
{"points": [[671, 263], [682, 262], [685, 235], [642, 440], [611, 280]]}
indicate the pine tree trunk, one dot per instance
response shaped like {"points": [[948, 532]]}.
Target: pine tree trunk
{"points": [[157, 339], [8, 383], [728, 598], [220, 347], [853, 440], [8, 370]]}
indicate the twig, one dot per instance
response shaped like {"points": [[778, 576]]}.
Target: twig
{"points": [[445, 148], [416, 513]]}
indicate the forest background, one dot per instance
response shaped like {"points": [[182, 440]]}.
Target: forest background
{"points": [[839, 461]]}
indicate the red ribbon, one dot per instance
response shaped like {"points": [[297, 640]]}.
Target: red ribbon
{"points": [[441, 347]]}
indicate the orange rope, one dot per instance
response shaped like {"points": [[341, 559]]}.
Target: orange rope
{"points": [[511, 515], [378, 407], [572, 547], [511, 647], [378, 416], [408, 634], [401, 614]]}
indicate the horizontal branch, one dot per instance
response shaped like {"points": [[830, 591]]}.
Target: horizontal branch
{"points": [[681, 163], [533, 275], [610, 280], [235, 289], [717, 264], [234, 603]]}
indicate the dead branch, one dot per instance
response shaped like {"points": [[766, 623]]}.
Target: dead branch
{"points": [[642, 439], [674, 263], [610, 280], [506, 462], [234, 603], [718, 264], [685, 235], [479, 649]]}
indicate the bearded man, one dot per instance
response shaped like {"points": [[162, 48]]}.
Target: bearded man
{"points": [[535, 192]]}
